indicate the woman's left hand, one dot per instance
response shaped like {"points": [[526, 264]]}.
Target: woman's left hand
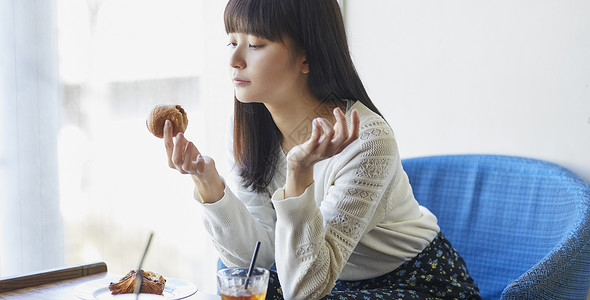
{"points": [[325, 141]]}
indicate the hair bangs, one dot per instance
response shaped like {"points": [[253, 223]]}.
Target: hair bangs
{"points": [[263, 18]]}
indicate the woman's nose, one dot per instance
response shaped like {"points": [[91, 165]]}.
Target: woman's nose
{"points": [[236, 59]]}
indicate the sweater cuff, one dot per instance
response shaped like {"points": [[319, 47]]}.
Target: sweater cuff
{"points": [[279, 194], [299, 204], [221, 211]]}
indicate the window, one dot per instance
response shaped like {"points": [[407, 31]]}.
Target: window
{"points": [[81, 177]]}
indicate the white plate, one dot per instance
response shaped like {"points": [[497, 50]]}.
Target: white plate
{"points": [[99, 289]]}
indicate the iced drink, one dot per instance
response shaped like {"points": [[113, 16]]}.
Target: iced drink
{"points": [[231, 283]]}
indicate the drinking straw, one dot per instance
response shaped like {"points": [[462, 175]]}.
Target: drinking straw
{"points": [[252, 262]]}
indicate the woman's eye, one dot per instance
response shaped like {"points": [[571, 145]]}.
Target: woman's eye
{"points": [[255, 46], [232, 44]]}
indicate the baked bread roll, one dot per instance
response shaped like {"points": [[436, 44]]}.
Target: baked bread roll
{"points": [[152, 283], [161, 113]]}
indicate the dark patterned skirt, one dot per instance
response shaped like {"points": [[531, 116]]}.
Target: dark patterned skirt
{"points": [[438, 272]]}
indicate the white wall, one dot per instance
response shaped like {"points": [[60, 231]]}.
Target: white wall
{"points": [[495, 77]]}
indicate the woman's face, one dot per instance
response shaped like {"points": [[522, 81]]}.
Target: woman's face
{"points": [[264, 71]]}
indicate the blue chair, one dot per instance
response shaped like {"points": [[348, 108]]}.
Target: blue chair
{"points": [[522, 225]]}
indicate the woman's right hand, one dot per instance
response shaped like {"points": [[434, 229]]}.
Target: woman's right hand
{"points": [[184, 156]]}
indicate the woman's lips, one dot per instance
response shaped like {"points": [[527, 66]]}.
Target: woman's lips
{"points": [[240, 82]]}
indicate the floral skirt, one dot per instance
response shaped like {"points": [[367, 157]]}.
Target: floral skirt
{"points": [[438, 272]]}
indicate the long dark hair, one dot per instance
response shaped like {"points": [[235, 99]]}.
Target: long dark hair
{"points": [[314, 26]]}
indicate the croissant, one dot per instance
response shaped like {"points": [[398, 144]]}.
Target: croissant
{"points": [[161, 113], [152, 283]]}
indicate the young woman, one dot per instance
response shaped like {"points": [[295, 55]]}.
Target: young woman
{"points": [[318, 173]]}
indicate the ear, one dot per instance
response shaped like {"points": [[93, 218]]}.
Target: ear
{"points": [[304, 65]]}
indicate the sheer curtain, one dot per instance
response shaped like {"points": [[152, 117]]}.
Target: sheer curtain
{"points": [[81, 178], [31, 236]]}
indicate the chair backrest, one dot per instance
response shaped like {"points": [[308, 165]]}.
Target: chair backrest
{"points": [[522, 225]]}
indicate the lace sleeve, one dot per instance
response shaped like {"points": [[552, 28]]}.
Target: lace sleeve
{"points": [[313, 243]]}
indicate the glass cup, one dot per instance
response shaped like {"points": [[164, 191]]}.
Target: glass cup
{"points": [[231, 283]]}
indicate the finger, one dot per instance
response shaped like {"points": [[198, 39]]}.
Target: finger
{"points": [[200, 163], [206, 165], [340, 128], [190, 157], [326, 139], [328, 130], [354, 130], [168, 142], [316, 131], [179, 152]]}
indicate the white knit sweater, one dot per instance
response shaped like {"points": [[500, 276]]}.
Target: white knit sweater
{"points": [[358, 220]]}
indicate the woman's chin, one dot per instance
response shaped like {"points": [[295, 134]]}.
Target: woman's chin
{"points": [[243, 99]]}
